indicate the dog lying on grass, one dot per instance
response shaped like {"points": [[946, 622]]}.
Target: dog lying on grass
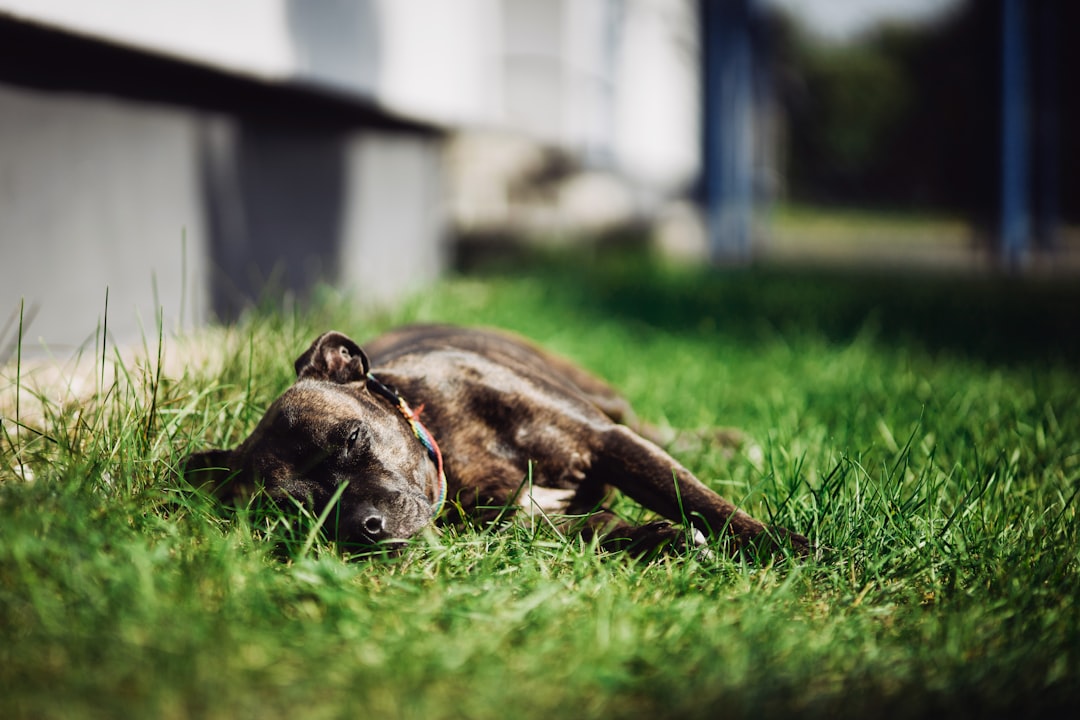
{"points": [[442, 423]]}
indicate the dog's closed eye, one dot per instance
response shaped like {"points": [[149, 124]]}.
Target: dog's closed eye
{"points": [[350, 442]]}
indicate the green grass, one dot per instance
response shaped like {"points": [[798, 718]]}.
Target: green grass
{"points": [[925, 430]]}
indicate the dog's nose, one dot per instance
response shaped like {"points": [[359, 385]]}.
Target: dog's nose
{"points": [[374, 524]]}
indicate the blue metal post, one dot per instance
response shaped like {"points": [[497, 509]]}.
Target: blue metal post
{"points": [[1015, 139], [728, 111]]}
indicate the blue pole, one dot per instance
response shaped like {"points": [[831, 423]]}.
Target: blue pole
{"points": [[1015, 139], [728, 128]]}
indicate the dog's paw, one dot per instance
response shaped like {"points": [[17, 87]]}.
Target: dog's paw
{"points": [[657, 538], [800, 545], [701, 547], [775, 543]]}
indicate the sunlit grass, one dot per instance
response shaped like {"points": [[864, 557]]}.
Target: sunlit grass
{"points": [[929, 241], [924, 436]]}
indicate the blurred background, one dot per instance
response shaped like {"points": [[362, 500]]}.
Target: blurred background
{"points": [[189, 158]]}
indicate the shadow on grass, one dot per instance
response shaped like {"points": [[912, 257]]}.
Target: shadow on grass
{"points": [[991, 318]]}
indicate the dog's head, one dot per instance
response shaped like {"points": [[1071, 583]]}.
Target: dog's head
{"points": [[330, 436]]}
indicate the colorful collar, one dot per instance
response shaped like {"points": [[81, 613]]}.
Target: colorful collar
{"points": [[422, 434]]}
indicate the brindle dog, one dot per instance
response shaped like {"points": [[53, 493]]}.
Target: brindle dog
{"points": [[491, 404]]}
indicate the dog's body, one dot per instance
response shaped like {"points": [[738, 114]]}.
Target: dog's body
{"points": [[494, 405]]}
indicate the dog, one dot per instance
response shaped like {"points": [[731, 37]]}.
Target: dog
{"points": [[448, 424]]}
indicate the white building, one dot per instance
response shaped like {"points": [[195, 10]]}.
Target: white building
{"points": [[181, 154]]}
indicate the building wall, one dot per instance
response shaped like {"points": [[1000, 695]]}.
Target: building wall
{"points": [[197, 215], [396, 216], [98, 195]]}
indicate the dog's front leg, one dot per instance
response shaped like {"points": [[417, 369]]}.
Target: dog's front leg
{"points": [[653, 478]]}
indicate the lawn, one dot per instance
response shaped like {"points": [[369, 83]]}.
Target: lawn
{"points": [[924, 431]]}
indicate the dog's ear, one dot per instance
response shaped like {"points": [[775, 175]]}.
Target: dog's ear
{"points": [[212, 471], [333, 357]]}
